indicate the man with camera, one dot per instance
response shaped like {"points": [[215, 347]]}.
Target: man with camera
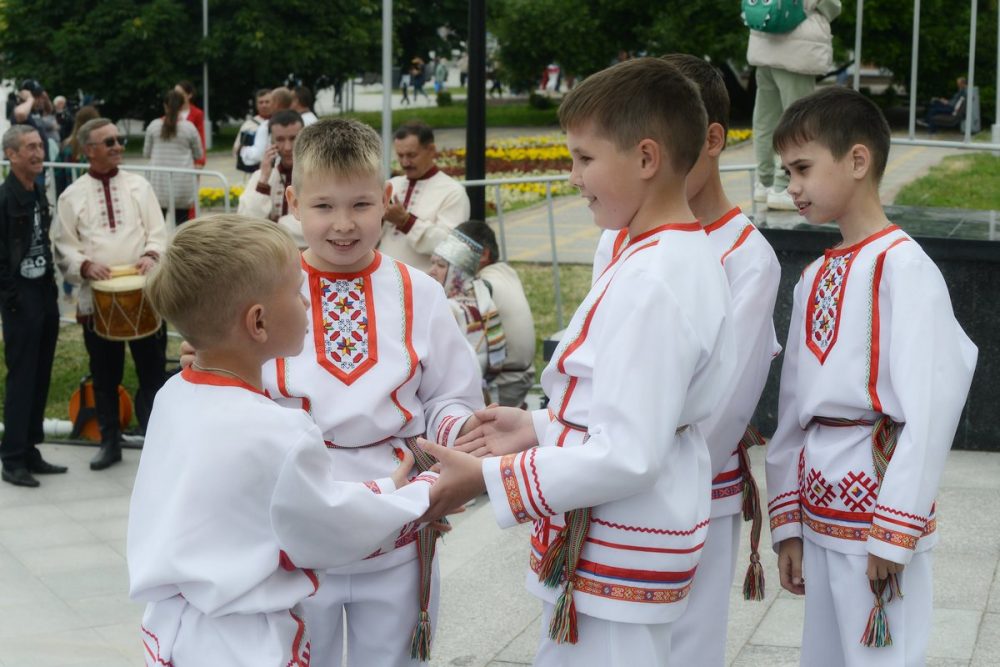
{"points": [[28, 307]]}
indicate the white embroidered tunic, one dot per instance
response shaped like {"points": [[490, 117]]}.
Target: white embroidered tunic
{"points": [[647, 354], [235, 501], [753, 273], [437, 203], [872, 333], [112, 223], [383, 360]]}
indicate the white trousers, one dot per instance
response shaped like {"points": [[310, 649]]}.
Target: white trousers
{"points": [[380, 610], [839, 600], [699, 636], [605, 644]]}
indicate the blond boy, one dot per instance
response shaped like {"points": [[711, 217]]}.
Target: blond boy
{"points": [[236, 501], [618, 487], [875, 375], [383, 362]]}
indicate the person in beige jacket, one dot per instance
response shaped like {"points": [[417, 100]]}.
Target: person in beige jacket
{"points": [[787, 65]]}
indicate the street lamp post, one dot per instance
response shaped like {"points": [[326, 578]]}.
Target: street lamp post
{"points": [[204, 76]]}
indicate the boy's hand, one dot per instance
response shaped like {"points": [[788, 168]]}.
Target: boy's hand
{"points": [[187, 354], [400, 475], [880, 568], [459, 481], [790, 566], [498, 431]]}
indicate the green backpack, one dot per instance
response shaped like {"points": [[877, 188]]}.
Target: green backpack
{"points": [[775, 16]]}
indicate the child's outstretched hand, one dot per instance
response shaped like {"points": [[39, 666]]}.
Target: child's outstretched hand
{"points": [[460, 479], [400, 476], [790, 565], [880, 568], [498, 431]]}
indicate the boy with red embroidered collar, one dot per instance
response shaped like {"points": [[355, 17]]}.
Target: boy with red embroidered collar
{"points": [[426, 203], [383, 363], [875, 375], [236, 500], [619, 486], [753, 272]]}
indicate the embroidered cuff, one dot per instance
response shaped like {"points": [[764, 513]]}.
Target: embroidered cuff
{"points": [[264, 189], [381, 485], [408, 225], [448, 429]]}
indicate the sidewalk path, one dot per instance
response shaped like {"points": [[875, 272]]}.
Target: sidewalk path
{"points": [[63, 578]]}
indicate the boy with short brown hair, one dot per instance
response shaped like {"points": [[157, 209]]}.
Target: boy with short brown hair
{"points": [[236, 501], [875, 375], [619, 488]]}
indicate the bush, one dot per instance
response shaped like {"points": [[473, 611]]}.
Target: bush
{"points": [[444, 99], [541, 102]]}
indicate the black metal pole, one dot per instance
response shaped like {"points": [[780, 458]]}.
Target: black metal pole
{"points": [[475, 126]]}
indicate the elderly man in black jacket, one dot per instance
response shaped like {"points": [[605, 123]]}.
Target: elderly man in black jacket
{"points": [[28, 306]]}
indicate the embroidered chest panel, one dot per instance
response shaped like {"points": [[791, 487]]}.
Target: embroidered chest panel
{"points": [[109, 205], [825, 304], [344, 325]]}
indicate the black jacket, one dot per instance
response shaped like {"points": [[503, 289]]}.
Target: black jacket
{"points": [[17, 220]]}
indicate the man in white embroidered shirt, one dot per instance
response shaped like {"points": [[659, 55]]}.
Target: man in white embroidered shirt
{"points": [[426, 203], [109, 218]]}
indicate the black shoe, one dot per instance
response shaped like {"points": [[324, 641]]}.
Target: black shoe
{"points": [[109, 454], [43, 467], [19, 477]]}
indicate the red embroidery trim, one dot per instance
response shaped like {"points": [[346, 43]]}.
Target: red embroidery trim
{"points": [[650, 531], [154, 655], [404, 276], [530, 454], [194, 376], [512, 489], [721, 222], [876, 327], [744, 235]]}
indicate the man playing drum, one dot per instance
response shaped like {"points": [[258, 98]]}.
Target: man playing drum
{"points": [[110, 218]]}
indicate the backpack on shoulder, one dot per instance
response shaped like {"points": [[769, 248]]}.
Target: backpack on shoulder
{"points": [[773, 16]]}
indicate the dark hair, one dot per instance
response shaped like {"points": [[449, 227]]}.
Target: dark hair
{"points": [[286, 117], [172, 103], [710, 84], [641, 98], [83, 115], [481, 233], [304, 96], [416, 128], [261, 92], [837, 118], [188, 88]]}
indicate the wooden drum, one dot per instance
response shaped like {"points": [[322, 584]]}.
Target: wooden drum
{"points": [[121, 311]]}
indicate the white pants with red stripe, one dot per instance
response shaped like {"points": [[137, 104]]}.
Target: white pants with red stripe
{"points": [[380, 609], [605, 644], [839, 600], [700, 633]]}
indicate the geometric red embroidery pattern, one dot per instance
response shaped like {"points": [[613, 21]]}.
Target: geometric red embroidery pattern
{"points": [[858, 491], [817, 489], [824, 307], [621, 591], [345, 320]]}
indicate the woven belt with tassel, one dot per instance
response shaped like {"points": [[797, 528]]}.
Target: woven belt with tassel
{"points": [[420, 642], [885, 434], [753, 583], [559, 566]]}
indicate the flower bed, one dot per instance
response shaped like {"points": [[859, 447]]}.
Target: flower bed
{"points": [[214, 197]]}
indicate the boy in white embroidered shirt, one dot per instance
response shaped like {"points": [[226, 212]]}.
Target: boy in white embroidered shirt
{"points": [[383, 363], [236, 500], [875, 374], [619, 486]]}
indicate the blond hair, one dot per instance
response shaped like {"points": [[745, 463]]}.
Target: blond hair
{"points": [[339, 147], [214, 268], [642, 98]]}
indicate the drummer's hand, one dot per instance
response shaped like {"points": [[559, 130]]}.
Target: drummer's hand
{"points": [[187, 354], [145, 265], [96, 271]]}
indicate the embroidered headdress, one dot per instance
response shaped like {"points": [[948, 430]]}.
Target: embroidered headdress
{"points": [[461, 252]]}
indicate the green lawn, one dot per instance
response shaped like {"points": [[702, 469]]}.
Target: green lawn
{"points": [[970, 180]]}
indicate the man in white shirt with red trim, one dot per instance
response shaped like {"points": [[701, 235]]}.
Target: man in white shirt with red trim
{"points": [[426, 202]]}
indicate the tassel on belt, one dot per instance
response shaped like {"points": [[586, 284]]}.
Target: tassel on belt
{"points": [[753, 582], [885, 434], [560, 561]]}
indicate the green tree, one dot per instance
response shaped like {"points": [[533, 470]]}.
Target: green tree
{"points": [[417, 25]]}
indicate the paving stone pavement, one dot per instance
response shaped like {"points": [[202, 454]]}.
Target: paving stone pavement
{"points": [[63, 578]]}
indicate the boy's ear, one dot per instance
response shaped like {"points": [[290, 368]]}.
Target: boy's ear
{"points": [[254, 324], [293, 201], [715, 139], [651, 156], [861, 161]]}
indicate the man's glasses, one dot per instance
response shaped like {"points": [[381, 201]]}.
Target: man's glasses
{"points": [[111, 141]]}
